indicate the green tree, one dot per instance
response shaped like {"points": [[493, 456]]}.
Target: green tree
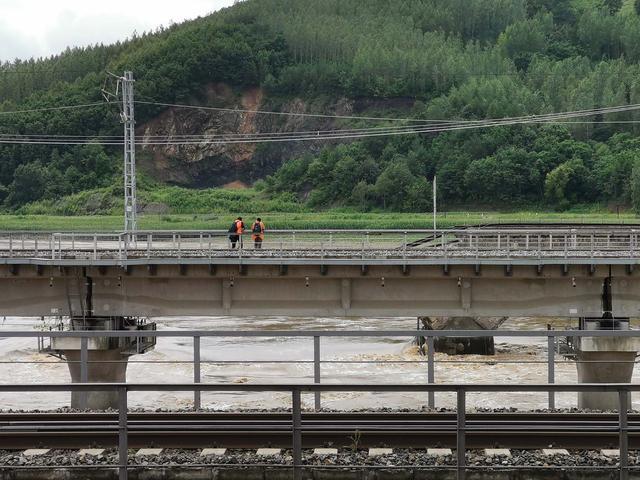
{"points": [[29, 184], [392, 185]]}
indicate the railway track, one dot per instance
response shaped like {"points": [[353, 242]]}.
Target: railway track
{"points": [[252, 430]]}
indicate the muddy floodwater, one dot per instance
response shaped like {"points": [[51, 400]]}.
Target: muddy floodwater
{"points": [[518, 361]]}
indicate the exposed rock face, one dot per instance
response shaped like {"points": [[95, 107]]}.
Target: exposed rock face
{"points": [[203, 164]]}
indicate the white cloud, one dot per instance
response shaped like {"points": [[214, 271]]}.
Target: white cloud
{"points": [[34, 28]]}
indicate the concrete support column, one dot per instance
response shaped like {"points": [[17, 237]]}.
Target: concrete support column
{"points": [[604, 360], [101, 359], [104, 366]]}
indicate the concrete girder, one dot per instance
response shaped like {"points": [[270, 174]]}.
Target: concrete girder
{"points": [[341, 291]]}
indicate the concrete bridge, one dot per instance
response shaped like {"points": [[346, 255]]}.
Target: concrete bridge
{"points": [[534, 271], [102, 280]]}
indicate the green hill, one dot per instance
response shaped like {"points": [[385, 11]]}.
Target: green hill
{"points": [[418, 59]]}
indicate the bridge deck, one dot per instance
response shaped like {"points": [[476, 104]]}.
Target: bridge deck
{"points": [[599, 244]]}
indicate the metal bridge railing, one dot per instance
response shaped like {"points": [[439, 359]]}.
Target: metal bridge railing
{"points": [[552, 337], [500, 243], [296, 390]]}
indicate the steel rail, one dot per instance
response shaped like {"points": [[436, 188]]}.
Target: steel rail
{"points": [[253, 430]]}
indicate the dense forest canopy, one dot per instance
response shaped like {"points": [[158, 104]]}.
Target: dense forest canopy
{"points": [[454, 59]]}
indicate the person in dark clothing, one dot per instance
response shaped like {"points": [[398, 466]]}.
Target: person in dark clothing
{"points": [[257, 233], [236, 230]]}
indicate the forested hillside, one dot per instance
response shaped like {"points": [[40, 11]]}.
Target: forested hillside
{"points": [[418, 59]]}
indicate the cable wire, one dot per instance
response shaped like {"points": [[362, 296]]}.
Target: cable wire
{"points": [[49, 109]]}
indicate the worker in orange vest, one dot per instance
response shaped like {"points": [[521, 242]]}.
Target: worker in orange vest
{"points": [[257, 233], [236, 230]]}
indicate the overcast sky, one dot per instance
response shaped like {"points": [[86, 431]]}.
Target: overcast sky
{"points": [[34, 28]]}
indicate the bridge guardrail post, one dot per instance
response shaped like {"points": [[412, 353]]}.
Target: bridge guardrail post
{"points": [[84, 369], [461, 470], [316, 371], [35, 246], [10, 244], [551, 364], [296, 414], [623, 407], [123, 447], [149, 240], [444, 242], [196, 372], [95, 247], [431, 371]]}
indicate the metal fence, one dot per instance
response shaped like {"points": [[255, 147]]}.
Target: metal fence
{"points": [[552, 338], [545, 242], [296, 390]]}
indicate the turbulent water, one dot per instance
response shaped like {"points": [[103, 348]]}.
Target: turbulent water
{"points": [[513, 364]]}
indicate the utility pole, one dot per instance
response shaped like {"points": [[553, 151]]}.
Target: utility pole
{"points": [[125, 85], [128, 119], [435, 210]]}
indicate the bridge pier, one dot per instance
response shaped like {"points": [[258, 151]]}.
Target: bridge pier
{"points": [[100, 359], [604, 360], [463, 345]]}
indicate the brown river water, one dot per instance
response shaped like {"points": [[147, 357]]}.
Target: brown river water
{"points": [[517, 351]]}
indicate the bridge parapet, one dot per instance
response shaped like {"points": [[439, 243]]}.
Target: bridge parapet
{"points": [[493, 245]]}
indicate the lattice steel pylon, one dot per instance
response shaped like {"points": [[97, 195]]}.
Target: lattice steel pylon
{"points": [[128, 118]]}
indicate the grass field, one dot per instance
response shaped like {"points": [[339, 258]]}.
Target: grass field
{"points": [[327, 220]]}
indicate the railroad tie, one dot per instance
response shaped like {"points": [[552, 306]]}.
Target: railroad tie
{"points": [[148, 452], [438, 452], [497, 452], [549, 452], [93, 452], [217, 452], [269, 452], [375, 452], [325, 451], [34, 452], [614, 452]]}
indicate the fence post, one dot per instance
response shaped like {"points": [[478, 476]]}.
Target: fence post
{"points": [[551, 367], [84, 369], [430, 371], [460, 434], [196, 372], [123, 447], [316, 371], [623, 407], [297, 433]]}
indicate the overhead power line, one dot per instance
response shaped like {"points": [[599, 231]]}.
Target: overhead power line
{"points": [[269, 112], [49, 109], [311, 135]]}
